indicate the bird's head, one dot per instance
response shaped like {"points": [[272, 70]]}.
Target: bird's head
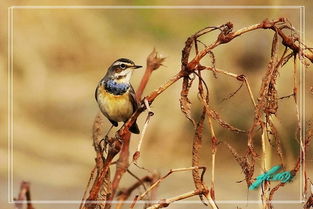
{"points": [[121, 70]]}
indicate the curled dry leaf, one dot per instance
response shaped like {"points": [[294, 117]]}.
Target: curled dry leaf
{"points": [[246, 165], [98, 130], [196, 147], [185, 104]]}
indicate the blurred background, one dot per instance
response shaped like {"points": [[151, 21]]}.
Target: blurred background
{"points": [[61, 54]]}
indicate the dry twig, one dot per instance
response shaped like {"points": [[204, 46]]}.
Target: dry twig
{"points": [[24, 196]]}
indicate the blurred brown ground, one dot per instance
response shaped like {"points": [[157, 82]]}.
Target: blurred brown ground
{"points": [[61, 54]]}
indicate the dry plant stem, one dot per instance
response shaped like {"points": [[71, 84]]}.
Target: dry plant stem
{"points": [[150, 98], [270, 117], [121, 165], [197, 143], [185, 103], [214, 139], [309, 203], [213, 114], [296, 168], [299, 129], [140, 197], [265, 139], [307, 141], [124, 194], [94, 192], [295, 89], [196, 146], [301, 138], [214, 143], [266, 24], [267, 105], [166, 202], [262, 101], [137, 178], [271, 194], [153, 63], [246, 166], [150, 114], [87, 187], [143, 83], [250, 92], [238, 77], [212, 203], [226, 35], [116, 144], [23, 195]]}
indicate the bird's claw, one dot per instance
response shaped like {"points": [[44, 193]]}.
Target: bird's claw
{"points": [[103, 144]]}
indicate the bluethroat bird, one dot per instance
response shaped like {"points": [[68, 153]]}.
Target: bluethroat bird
{"points": [[116, 96]]}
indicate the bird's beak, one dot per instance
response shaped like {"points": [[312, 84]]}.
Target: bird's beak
{"points": [[137, 66]]}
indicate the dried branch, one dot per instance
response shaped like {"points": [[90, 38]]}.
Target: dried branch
{"points": [[154, 61], [185, 103], [227, 35], [196, 146], [166, 202], [140, 197], [265, 106], [309, 203], [233, 93], [91, 178], [246, 163], [299, 162], [136, 155], [239, 78], [23, 195], [124, 194]]}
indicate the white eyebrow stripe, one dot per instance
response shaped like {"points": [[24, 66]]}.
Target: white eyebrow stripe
{"points": [[119, 63]]}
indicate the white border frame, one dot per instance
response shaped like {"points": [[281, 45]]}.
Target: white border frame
{"points": [[10, 97]]}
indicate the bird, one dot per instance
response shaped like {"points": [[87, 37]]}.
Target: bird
{"points": [[116, 96]]}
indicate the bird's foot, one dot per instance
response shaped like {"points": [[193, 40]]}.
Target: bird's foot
{"points": [[103, 144]]}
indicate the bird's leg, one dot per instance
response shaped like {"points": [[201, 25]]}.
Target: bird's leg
{"points": [[105, 140], [109, 130]]}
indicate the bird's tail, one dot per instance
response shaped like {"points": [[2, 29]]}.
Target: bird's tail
{"points": [[134, 128]]}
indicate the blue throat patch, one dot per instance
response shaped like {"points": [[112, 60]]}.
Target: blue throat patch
{"points": [[116, 88]]}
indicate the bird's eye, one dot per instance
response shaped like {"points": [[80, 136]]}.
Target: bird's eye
{"points": [[123, 66]]}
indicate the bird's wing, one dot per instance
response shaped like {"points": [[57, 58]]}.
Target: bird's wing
{"points": [[133, 98], [96, 93]]}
